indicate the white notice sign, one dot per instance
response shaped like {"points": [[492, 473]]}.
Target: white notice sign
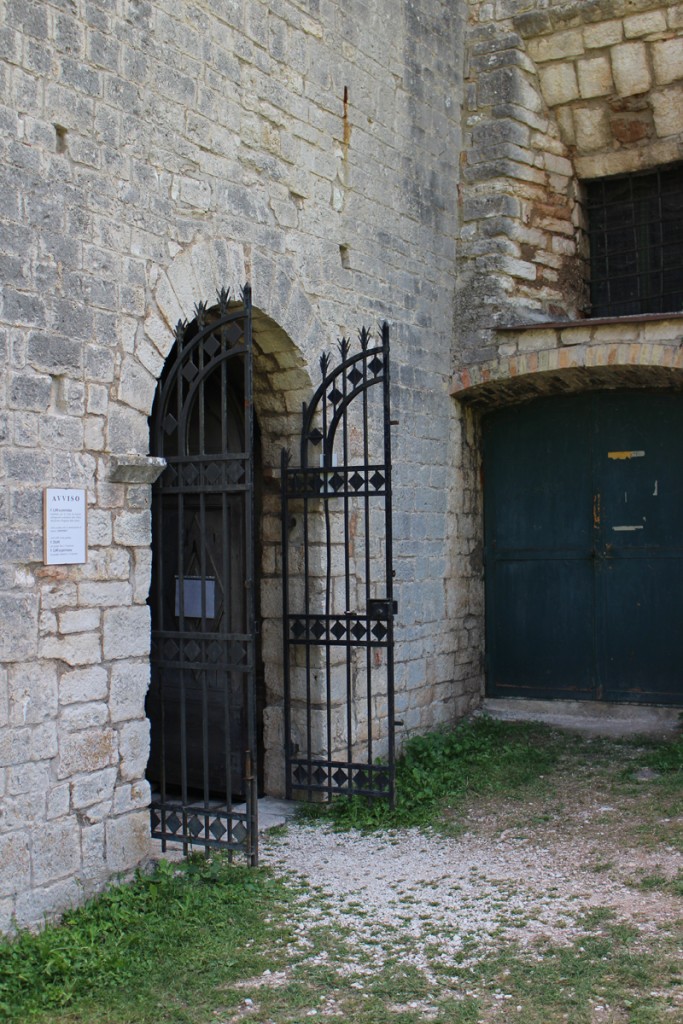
{"points": [[64, 536]]}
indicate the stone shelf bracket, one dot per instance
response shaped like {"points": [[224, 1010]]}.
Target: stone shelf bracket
{"points": [[135, 469]]}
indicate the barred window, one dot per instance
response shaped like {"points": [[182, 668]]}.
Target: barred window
{"points": [[635, 229]]}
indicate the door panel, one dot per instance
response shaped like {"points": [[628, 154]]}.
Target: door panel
{"points": [[639, 568], [584, 547], [544, 640]]}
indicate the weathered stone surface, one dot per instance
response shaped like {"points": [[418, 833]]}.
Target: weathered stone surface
{"points": [[133, 750], [88, 751], [93, 788], [19, 633], [667, 109], [126, 632], [630, 69], [559, 84], [127, 841], [32, 692], [667, 57], [89, 684], [133, 528], [595, 77], [55, 851], [16, 863], [129, 685]]}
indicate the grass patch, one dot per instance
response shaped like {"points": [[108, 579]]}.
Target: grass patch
{"points": [[607, 969], [155, 950], [481, 756]]}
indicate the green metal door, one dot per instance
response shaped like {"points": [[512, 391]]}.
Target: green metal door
{"points": [[584, 547]]}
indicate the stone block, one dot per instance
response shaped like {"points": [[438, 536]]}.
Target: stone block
{"points": [[667, 58], [667, 110], [649, 23], [142, 563], [127, 430], [79, 717], [30, 392], [595, 77], [104, 594], [99, 528], [16, 863], [55, 851], [54, 354], [94, 864], [558, 46], [34, 908], [32, 691], [128, 841], [82, 620], [129, 685], [88, 751], [559, 84], [137, 386], [592, 128], [83, 685], [76, 649], [133, 528], [630, 69], [131, 797], [57, 804], [603, 33], [92, 789], [19, 633], [133, 750], [126, 632]]}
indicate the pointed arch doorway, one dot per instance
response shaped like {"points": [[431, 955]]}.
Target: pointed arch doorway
{"points": [[203, 703]]}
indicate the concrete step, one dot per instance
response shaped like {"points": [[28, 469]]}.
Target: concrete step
{"points": [[591, 718]]}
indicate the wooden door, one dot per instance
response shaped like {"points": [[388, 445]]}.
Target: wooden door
{"points": [[584, 547]]}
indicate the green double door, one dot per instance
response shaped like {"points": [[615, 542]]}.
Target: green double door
{"points": [[584, 547]]}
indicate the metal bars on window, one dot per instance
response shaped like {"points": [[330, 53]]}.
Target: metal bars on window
{"points": [[201, 702], [338, 605], [635, 226]]}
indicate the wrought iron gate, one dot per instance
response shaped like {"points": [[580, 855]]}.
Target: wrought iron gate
{"points": [[338, 604], [201, 701]]}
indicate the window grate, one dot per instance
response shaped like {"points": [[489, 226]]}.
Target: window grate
{"points": [[635, 228]]}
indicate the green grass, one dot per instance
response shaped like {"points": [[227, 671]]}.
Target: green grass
{"points": [[478, 757], [140, 950], [188, 944]]}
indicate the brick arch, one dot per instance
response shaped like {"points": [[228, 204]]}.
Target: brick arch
{"points": [[558, 370]]}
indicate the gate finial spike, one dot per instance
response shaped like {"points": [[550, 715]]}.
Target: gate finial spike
{"points": [[200, 314], [364, 337], [343, 344], [180, 329], [324, 363], [223, 299], [246, 294]]}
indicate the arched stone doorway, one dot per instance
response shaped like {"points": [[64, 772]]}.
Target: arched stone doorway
{"points": [[223, 411], [550, 363]]}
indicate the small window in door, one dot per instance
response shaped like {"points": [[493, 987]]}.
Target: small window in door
{"points": [[635, 230]]}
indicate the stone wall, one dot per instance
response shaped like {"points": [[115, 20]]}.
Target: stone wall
{"points": [[152, 152], [554, 96]]}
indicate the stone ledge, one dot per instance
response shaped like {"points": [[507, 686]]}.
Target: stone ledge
{"points": [[135, 469]]}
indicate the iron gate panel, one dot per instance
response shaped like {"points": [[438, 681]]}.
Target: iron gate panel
{"points": [[202, 701], [338, 604]]}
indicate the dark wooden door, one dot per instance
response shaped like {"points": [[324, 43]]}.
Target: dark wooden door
{"points": [[584, 547]]}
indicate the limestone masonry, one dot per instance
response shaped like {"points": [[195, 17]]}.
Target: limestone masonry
{"points": [[415, 161]]}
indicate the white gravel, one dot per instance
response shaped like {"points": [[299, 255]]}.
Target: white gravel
{"points": [[438, 900]]}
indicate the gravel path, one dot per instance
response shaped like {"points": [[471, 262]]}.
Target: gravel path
{"points": [[444, 896]]}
